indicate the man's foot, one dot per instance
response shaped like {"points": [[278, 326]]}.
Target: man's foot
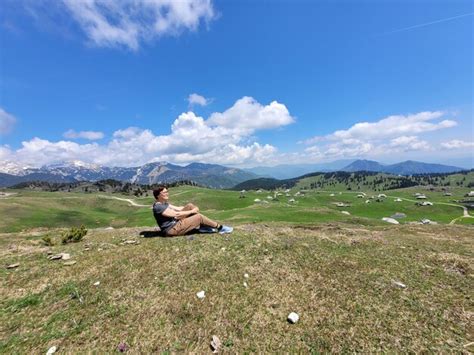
{"points": [[225, 230]]}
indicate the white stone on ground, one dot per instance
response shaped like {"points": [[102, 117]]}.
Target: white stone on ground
{"points": [[246, 275], [12, 266], [345, 212], [201, 294], [293, 317], [65, 256], [246, 285], [52, 350], [97, 283], [215, 344], [399, 284], [390, 220]]}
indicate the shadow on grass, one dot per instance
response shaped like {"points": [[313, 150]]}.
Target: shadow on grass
{"points": [[161, 234], [153, 234]]}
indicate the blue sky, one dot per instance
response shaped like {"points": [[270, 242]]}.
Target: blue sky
{"points": [[242, 83]]}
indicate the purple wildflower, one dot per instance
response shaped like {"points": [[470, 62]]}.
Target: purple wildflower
{"points": [[122, 347]]}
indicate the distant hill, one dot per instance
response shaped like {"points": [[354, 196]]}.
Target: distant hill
{"points": [[408, 167], [210, 175], [361, 180], [411, 167], [364, 165]]}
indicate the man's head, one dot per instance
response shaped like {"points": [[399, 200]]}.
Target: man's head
{"points": [[161, 193]]}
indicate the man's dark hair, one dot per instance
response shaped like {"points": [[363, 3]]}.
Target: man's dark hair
{"points": [[157, 191]]}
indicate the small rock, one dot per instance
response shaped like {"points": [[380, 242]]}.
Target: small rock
{"points": [[109, 228], [223, 248], [215, 344], [293, 317], [346, 213], [97, 283], [100, 249], [390, 220], [246, 276], [201, 294], [399, 284], [13, 266], [132, 241], [69, 263], [245, 285], [52, 350], [65, 256]]}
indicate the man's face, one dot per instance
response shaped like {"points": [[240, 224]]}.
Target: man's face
{"points": [[164, 194]]}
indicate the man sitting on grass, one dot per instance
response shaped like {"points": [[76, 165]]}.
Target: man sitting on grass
{"points": [[179, 220]]}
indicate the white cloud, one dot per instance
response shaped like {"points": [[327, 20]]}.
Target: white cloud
{"points": [[457, 144], [90, 135], [195, 99], [7, 121], [247, 115], [390, 135], [191, 138], [127, 23], [38, 152], [393, 126], [407, 143], [389, 127]]}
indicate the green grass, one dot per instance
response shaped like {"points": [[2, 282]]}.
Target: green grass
{"points": [[338, 277], [30, 209]]}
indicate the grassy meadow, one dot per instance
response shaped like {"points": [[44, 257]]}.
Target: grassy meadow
{"points": [[32, 209], [343, 274]]}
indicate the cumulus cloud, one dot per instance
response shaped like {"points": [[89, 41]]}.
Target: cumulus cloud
{"points": [[90, 135], [395, 126], [129, 22], [191, 138], [407, 143], [390, 127], [247, 116], [457, 144], [195, 99], [7, 121], [39, 151], [392, 134]]}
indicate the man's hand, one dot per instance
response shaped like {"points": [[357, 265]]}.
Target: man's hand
{"points": [[195, 210]]}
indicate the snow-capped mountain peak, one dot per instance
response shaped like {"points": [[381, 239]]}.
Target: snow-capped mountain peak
{"points": [[13, 168]]}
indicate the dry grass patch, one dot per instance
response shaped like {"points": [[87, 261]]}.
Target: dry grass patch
{"points": [[339, 279]]}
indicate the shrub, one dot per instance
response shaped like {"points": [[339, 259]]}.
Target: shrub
{"points": [[74, 235], [48, 241]]}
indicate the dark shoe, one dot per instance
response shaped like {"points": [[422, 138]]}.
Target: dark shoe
{"points": [[206, 230]]}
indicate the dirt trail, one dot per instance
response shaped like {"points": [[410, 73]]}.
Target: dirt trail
{"points": [[133, 203]]}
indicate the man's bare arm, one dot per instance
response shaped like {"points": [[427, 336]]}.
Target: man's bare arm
{"points": [[170, 212]]}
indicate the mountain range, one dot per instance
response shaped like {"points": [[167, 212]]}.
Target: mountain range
{"points": [[211, 175], [408, 167]]}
